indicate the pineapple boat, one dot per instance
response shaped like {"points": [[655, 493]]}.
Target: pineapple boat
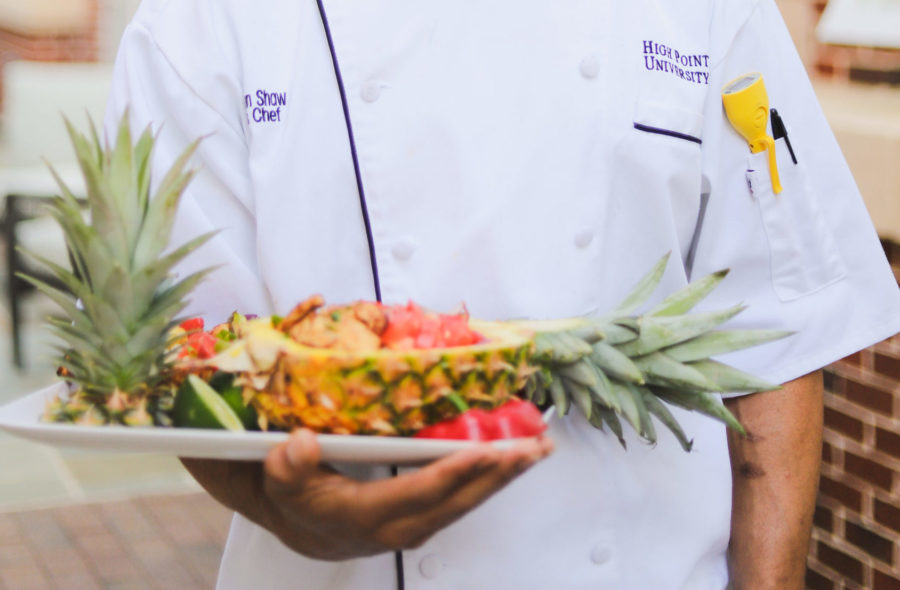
{"points": [[367, 368], [362, 368]]}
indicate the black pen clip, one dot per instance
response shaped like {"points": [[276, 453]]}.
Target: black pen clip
{"points": [[779, 131]]}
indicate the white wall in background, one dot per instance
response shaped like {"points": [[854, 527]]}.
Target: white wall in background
{"points": [[868, 23], [114, 15]]}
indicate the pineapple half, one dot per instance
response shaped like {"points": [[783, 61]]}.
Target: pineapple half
{"points": [[616, 368], [120, 300]]}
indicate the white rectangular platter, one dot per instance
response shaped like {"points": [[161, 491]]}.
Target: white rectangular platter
{"points": [[21, 418]]}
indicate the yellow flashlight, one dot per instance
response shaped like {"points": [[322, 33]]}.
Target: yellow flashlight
{"points": [[747, 107]]}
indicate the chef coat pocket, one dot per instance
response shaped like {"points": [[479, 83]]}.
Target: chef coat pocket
{"points": [[659, 168], [668, 120], [803, 254]]}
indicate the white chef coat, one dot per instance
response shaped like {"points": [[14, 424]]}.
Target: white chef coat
{"points": [[531, 160]]}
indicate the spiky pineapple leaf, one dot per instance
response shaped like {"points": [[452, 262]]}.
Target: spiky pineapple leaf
{"points": [[156, 226], [659, 369], [105, 218], [644, 288], [721, 342], [662, 413], [156, 272], [664, 331], [705, 403], [730, 379], [684, 300]]}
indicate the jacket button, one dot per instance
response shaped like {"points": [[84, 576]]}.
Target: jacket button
{"points": [[403, 250], [370, 91], [601, 554], [584, 238], [430, 566], [590, 67]]}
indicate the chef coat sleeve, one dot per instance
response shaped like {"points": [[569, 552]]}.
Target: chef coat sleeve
{"points": [[162, 92], [808, 259]]}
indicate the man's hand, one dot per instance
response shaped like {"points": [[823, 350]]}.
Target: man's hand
{"points": [[775, 471], [324, 515]]}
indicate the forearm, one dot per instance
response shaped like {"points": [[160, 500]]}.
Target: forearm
{"points": [[775, 471], [238, 485]]}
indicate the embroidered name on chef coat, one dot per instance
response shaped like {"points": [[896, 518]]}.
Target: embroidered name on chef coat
{"points": [[264, 106], [690, 67]]}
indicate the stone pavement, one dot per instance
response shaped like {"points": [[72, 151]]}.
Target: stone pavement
{"points": [[78, 520], [147, 543]]}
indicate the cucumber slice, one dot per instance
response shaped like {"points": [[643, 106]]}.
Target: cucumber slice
{"points": [[234, 397], [197, 405]]}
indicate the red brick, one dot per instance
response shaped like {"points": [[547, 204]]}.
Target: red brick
{"points": [[869, 470], [42, 531], [12, 555], [844, 424], [887, 515], [86, 520], [869, 397], [887, 442], [64, 562], [827, 455], [162, 558], [887, 365], [108, 557], [843, 493], [828, 378], [129, 521], [883, 581], [834, 383], [816, 581], [870, 542], [824, 519], [854, 359], [840, 562]]}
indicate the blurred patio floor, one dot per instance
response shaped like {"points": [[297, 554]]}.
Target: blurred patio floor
{"points": [[75, 520]]}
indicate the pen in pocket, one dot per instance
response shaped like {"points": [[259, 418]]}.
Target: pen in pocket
{"points": [[779, 131]]}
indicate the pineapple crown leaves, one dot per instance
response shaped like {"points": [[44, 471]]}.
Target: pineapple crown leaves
{"points": [[117, 334], [622, 367]]}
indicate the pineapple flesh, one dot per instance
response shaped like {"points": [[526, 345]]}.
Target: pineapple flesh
{"points": [[120, 301]]}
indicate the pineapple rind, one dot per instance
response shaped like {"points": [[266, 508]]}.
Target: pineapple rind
{"points": [[385, 392]]}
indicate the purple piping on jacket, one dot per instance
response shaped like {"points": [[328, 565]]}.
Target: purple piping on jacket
{"points": [[373, 260]]}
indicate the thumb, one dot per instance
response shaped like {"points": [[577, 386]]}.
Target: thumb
{"points": [[289, 465]]}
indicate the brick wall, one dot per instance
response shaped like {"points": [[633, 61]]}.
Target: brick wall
{"points": [[856, 535], [856, 539]]}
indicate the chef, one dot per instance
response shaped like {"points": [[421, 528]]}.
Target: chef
{"points": [[531, 159]]}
